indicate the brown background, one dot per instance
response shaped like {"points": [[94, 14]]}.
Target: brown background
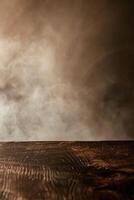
{"points": [[66, 69]]}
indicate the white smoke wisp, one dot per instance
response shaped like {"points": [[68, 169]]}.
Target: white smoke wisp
{"points": [[34, 104]]}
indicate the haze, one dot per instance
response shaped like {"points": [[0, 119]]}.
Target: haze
{"points": [[66, 70]]}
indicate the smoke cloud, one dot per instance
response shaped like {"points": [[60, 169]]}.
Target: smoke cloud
{"points": [[66, 70]]}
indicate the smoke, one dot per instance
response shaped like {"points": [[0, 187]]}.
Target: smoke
{"points": [[66, 70]]}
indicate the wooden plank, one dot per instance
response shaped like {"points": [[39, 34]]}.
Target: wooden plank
{"points": [[67, 171]]}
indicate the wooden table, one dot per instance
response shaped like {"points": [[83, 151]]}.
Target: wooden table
{"points": [[67, 171]]}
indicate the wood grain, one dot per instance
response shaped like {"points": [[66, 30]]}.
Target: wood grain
{"points": [[67, 171]]}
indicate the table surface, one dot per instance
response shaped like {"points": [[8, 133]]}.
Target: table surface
{"points": [[67, 171]]}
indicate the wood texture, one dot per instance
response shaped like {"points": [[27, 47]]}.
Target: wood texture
{"points": [[67, 171]]}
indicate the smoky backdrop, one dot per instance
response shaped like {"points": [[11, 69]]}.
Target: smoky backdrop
{"points": [[66, 70]]}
